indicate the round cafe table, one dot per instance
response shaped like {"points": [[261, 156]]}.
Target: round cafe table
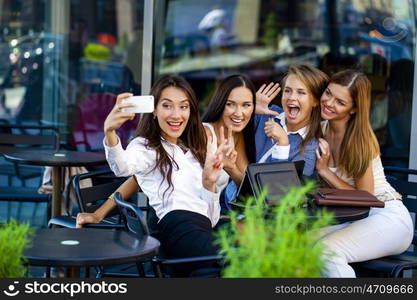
{"points": [[57, 159], [86, 247]]}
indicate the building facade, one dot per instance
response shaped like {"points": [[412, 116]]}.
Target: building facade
{"points": [[63, 62]]}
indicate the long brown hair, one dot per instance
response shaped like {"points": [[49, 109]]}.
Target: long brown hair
{"points": [[217, 103], [316, 82], [359, 145], [193, 137]]}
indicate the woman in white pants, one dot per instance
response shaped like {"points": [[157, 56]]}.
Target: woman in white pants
{"points": [[349, 158]]}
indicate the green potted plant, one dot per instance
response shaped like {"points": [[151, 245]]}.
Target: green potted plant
{"points": [[276, 242], [14, 239]]}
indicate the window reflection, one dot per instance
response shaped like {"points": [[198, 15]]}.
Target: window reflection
{"points": [[56, 56], [262, 38], [63, 62]]}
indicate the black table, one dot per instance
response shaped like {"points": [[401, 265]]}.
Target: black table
{"points": [[341, 214], [86, 247], [58, 160]]}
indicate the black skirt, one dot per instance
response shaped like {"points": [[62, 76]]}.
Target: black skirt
{"points": [[186, 234]]}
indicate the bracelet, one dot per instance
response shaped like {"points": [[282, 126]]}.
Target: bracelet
{"points": [[111, 197]]}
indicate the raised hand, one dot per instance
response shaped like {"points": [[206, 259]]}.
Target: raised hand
{"points": [[212, 166], [323, 156], [274, 131], [229, 161], [264, 96], [117, 117], [229, 153]]}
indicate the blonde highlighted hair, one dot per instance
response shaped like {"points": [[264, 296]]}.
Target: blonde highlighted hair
{"points": [[316, 82], [359, 145]]}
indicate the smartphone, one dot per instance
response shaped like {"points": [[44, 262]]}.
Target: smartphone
{"points": [[143, 104]]}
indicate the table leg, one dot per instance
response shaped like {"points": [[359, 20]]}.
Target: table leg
{"points": [[73, 272], [57, 191]]}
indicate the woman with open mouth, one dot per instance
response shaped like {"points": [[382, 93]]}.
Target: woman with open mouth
{"points": [[229, 121], [171, 149], [291, 132]]}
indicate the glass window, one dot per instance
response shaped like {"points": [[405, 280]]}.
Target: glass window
{"points": [[216, 38], [63, 62]]}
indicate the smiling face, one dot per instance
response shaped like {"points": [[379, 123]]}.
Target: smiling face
{"points": [[172, 112], [238, 109], [297, 102], [336, 103]]}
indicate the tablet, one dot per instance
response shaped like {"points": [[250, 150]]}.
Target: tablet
{"points": [[279, 176]]}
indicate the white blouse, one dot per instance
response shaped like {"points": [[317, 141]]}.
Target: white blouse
{"points": [[382, 189], [188, 192]]}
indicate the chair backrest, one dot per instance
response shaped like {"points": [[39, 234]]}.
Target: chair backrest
{"points": [[24, 137], [91, 198], [134, 218], [398, 178]]}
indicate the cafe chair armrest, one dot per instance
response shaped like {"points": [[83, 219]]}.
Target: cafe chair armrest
{"points": [[70, 222], [171, 261]]}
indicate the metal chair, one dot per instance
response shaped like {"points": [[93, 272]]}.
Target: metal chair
{"points": [[136, 222], [90, 198], [25, 194], [24, 137], [395, 265]]}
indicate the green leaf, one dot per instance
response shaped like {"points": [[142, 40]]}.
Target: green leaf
{"points": [[14, 239], [274, 242]]}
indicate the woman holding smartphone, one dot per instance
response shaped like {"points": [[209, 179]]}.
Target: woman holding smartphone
{"points": [[230, 114], [170, 150]]}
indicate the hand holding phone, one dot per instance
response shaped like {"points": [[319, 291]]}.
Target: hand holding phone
{"points": [[143, 104]]}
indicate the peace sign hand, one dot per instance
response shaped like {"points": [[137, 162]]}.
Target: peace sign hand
{"points": [[212, 166], [229, 153], [264, 96]]}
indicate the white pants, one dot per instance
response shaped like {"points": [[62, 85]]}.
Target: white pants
{"points": [[386, 231]]}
